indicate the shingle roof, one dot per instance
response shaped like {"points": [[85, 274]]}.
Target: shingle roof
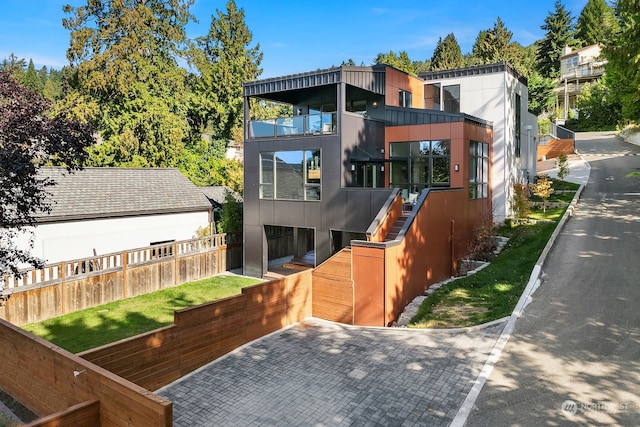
{"points": [[116, 192], [218, 194]]}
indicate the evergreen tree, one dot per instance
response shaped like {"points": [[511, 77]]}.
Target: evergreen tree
{"points": [[15, 65], [622, 53], [494, 45], [125, 61], [400, 62], [559, 33], [31, 79], [595, 23], [447, 54], [225, 61], [30, 136]]}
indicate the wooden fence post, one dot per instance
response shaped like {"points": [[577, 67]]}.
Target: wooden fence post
{"points": [[124, 274], [62, 273], [175, 264]]}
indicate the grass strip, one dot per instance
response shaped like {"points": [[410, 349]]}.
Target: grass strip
{"points": [[493, 292], [104, 324]]}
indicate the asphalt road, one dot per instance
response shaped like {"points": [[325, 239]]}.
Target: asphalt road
{"points": [[574, 356]]}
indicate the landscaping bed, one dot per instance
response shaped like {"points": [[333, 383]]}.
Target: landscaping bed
{"points": [[96, 326], [492, 292]]}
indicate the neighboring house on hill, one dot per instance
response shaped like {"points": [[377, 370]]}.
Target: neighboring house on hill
{"points": [[577, 68], [112, 209], [494, 92], [362, 165]]}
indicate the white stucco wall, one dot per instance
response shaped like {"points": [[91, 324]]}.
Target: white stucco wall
{"points": [[492, 97], [66, 241]]}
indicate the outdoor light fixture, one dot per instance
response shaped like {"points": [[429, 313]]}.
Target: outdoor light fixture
{"points": [[375, 104], [456, 167]]}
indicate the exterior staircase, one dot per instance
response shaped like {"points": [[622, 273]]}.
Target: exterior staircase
{"points": [[395, 230]]}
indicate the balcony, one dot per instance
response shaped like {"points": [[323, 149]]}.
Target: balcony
{"points": [[585, 71], [305, 124]]}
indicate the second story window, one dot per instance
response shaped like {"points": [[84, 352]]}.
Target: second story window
{"points": [[290, 175], [452, 98], [404, 98]]}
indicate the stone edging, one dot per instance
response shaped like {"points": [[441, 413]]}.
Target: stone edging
{"points": [[412, 308]]}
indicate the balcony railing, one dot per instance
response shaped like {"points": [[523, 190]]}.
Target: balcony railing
{"points": [[306, 124], [584, 71]]}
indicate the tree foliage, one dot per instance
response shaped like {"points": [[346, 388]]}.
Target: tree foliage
{"points": [[623, 56], [125, 54], [542, 188], [225, 60], [541, 93], [401, 61], [447, 54], [559, 31], [231, 215], [599, 109], [30, 136], [596, 23], [495, 45]]}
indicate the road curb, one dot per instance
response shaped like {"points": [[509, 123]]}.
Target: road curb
{"points": [[534, 282]]}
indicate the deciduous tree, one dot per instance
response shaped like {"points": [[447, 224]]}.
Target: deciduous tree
{"points": [[30, 136]]}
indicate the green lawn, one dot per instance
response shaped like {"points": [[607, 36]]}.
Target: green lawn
{"points": [[93, 327], [493, 292]]}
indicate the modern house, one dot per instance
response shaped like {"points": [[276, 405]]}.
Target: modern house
{"points": [[499, 94], [361, 163], [577, 68], [109, 209]]}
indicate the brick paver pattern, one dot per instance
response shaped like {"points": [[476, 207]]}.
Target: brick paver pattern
{"points": [[319, 373]]}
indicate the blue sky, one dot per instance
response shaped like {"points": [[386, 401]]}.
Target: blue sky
{"points": [[304, 35]]}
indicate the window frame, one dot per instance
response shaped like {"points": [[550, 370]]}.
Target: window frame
{"points": [[310, 183], [478, 170]]}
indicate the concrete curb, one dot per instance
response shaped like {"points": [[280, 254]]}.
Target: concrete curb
{"points": [[534, 282]]}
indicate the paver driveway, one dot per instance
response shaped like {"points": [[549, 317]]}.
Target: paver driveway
{"points": [[327, 374]]}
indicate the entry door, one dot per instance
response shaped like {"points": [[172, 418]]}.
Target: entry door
{"points": [[367, 175]]}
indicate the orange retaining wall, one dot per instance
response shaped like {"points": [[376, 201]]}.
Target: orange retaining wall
{"points": [[555, 147]]}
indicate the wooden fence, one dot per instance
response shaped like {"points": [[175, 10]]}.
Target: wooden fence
{"points": [[205, 332], [69, 286], [63, 389]]}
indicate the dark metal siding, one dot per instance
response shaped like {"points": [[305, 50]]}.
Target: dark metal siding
{"points": [[368, 78]]}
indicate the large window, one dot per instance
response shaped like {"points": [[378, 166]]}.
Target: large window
{"points": [[419, 164], [478, 170], [290, 175], [452, 98]]}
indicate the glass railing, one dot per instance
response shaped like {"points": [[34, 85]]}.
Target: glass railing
{"points": [[306, 124]]}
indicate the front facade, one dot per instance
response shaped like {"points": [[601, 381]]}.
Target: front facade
{"points": [[577, 68], [496, 93], [355, 137]]}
